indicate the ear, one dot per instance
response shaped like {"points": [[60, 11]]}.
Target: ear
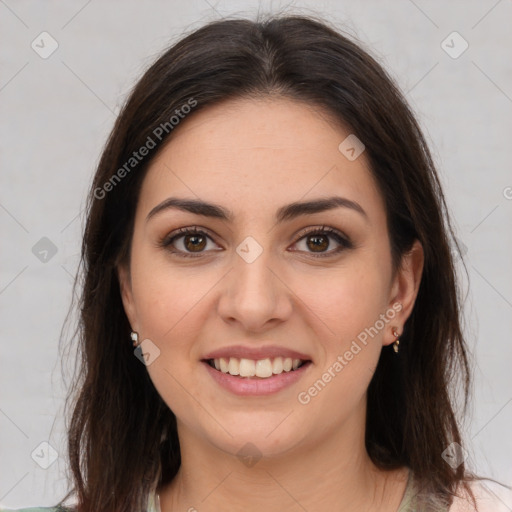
{"points": [[404, 290], [123, 274]]}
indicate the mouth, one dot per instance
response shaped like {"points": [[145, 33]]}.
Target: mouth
{"points": [[260, 369]]}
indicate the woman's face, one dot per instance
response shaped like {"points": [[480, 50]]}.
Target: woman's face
{"points": [[266, 282]]}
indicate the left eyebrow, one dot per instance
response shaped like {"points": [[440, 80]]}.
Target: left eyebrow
{"points": [[285, 213]]}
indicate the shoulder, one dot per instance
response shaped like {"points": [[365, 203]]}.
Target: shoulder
{"points": [[489, 497]]}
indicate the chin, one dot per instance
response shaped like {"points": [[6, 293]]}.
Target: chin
{"points": [[256, 435]]}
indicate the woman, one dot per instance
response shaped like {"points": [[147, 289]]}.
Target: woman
{"points": [[270, 316]]}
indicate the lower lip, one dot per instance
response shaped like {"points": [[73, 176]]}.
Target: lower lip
{"points": [[254, 385]]}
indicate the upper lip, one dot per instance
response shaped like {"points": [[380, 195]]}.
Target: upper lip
{"points": [[241, 352]]}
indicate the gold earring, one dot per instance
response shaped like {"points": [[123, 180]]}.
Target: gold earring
{"points": [[135, 338], [397, 341]]}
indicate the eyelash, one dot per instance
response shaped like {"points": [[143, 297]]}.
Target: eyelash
{"points": [[344, 241]]}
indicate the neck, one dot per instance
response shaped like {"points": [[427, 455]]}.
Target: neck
{"points": [[335, 474]]}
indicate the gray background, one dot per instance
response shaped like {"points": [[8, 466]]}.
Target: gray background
{"points": [[57, 112]]}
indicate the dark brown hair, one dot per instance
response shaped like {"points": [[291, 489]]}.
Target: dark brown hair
{"points": [[122, 436]]}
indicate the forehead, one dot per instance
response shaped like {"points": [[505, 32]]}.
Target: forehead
{"points": [[257, 152]]}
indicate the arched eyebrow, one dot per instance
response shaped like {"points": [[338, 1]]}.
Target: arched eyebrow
{"points": [[285, 213]]}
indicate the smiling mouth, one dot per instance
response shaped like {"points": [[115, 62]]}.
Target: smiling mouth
{"points": [[261, 368]]}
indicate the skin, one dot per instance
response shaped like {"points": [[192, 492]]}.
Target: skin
{"points": [[252, 157]]}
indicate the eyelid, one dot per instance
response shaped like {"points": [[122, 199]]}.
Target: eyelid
{"points": [[187, 230], [321, 229]]}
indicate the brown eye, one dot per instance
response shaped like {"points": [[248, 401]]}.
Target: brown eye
{"points": [[186, 242], [317, 241], [194, 242]]}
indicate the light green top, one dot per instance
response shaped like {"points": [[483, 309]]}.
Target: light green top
{"points": [[153, 506], [411, 499], [408, 503]]}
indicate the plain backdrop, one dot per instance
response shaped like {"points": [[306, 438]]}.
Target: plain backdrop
{"points": [[57, 111]]}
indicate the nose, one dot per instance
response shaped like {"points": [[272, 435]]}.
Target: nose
{"points": [[255, 294]]}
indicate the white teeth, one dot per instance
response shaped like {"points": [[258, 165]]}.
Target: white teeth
{"points": [[247, 368], [234, 366], [277, 366], [224, 364], [262, 368]]}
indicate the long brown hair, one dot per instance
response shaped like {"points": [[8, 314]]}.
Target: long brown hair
{"points": [[122, 436]]}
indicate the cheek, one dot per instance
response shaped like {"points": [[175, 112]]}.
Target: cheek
{"points": [[171, 313], [170, 307], [164, 294], [347, 299], [349, 303], [341, 379]]}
